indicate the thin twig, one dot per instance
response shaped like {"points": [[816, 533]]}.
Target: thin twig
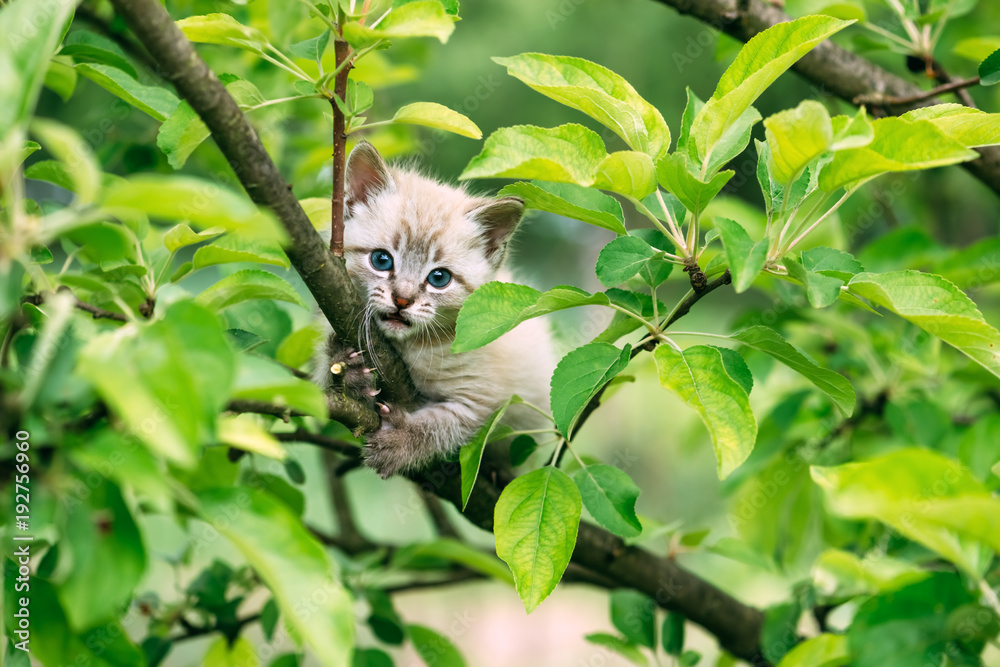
{"points": [[342, 447], [953, 86], [342, 50], [98, 313]]}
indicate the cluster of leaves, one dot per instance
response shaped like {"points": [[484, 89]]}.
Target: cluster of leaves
{"points": [[808, 166]]}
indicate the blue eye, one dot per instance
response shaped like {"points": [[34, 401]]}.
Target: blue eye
{"points": [[381, 260], [439, 278]]}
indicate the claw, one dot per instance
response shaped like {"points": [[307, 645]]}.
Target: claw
{"points": [[383, 408], [374, 392], [352, 355]]}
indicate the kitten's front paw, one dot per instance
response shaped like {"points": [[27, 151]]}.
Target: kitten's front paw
{"points": [[392, 449], [349, 370]]}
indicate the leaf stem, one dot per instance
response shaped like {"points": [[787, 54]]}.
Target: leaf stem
{"points": [[322, 17], [678, 240], [280, 64], [670, 216], [268, 103], [538, 410], [798, 239]]}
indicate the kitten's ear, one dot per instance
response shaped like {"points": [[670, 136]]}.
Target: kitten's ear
{"points": [[497, 221], [367, 175]]}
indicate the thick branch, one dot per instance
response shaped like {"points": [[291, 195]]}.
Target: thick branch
{"points": [[834, 70], [325, 276]]}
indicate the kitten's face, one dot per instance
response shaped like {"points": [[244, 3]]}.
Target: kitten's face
{"points": [[416, 248]]}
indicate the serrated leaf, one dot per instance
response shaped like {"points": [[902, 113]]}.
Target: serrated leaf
{"points": [[439, 117], [821, 290], [825, 650], [674, 174], [833, 384], [522, 447], [989, 69], [597, 92], [84, 45], [222, 29], [292, 564], [458, 552], [952, 521], [699, 378], [237, 248], [61, 77], [634, 615], [311, 49], [736, 368], [578, 378], [609, 494], [762, 60], [622, 259], [970, 127], [831, 262], [672, 634], [572, 201], [242, 432], [421, 18], [936, 306], [566, 154], [630, 173], [153, 100], [746, 258], [851, 132], [181, 236], [796, 137], [496, 308], [247, 285], [624, 648], [470, 456], [535, 522], [899, 145], [732, 142]]}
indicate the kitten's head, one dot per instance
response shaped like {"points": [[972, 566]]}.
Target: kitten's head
{"points": [[417, 248]]}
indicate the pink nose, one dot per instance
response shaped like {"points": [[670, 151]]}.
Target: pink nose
{"points": [[401, 302]]}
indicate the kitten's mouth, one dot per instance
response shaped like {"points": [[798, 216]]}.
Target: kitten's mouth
{"points": [[395, 321]]}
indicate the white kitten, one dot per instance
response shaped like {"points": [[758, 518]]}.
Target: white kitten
{"points": [[416, 249]]}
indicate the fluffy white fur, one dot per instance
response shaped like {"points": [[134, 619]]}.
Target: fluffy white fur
{"points": [[425, 225]]}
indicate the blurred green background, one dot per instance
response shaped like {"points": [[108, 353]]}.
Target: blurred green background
{"points": [[641, 429]]}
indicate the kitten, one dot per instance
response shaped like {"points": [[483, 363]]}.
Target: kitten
{"points": [[416, 249]]}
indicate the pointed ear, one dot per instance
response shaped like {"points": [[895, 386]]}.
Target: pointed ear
{"points": [[367, 175], [497, 221]]}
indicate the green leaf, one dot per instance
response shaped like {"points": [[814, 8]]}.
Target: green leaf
{"points": [[567, 154], [74, 153], [674, 174], [989, 69], [736, 368], [843, 574], [181, 236], [622, 259], [298, 348], [597, 92], [915, 626], [797, 137], [825, 650], [242, 432], [535, 523], [496, 308], [222, 29], [439, 117], [302, 578], [434, 649], [471, 455], [899, 145], [237, 248], [672, 634], [102, 540], [246, 285], [456, 552], [626, 649], [578, 378], [84, 45], [762, 60], [893, 489], [422, 18], [61, 77], [630, 173], [221, 653], [521, 449], [153, 100], [970, 127], [363, 657], [634, 614], [852, 132], [181, 362], [262, 379], [25, 60], [831, 262], [821, 290], [609, 495], [572, 201], [768, 341], [699, 378], [746, 258], [656, 270], [311, 49], [732, 142], [193, 200], [936, 306]]}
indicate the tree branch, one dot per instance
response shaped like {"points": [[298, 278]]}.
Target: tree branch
{"points": [[342, 50], [97, 313], [324, 275], [834, 70]]}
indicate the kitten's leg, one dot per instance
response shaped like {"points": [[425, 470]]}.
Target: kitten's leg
{"points": [[409, 441]]}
